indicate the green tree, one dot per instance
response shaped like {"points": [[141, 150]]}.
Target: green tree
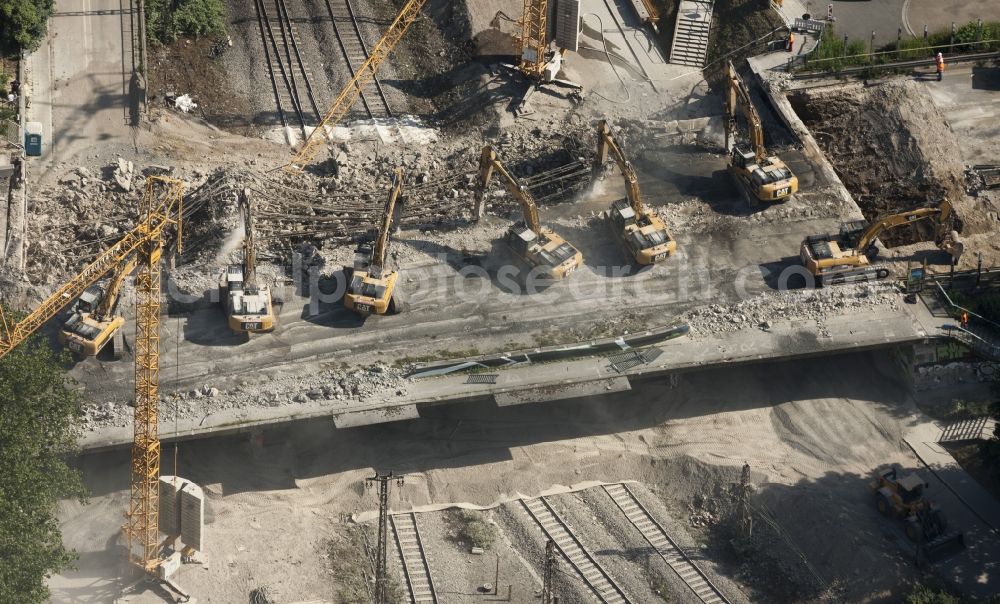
{"points": [[37, 413], [24, 23]]}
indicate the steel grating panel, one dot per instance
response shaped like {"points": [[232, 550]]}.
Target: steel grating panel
{"points": [[482, 378]]}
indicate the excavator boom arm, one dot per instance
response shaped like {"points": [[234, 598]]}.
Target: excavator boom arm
{"points": [[110, 300], [160, 216], [607, 142], [388, 216], [350, 93], [739, 95], [488, 163], [895, 220], [249, 246]]}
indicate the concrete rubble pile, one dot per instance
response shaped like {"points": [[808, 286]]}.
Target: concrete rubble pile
{"points": [[343, 387], [936, 376], [765, 310]]}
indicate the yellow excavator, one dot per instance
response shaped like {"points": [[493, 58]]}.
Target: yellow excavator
{"points": [[93, 322], [536, 245], [248, 305], [642, 233], [759, 176], [847, 256], [372, 288]]}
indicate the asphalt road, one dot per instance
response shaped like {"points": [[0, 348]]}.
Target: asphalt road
{"points": [[81, 79], [889, 18]]}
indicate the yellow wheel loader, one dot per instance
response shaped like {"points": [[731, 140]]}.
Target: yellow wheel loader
{"points": [[902, 496]]}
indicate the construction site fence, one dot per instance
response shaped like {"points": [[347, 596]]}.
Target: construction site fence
{"points": [[851, 53]]}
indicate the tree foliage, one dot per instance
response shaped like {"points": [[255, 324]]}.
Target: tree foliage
{"points": [[166, 20], [24, 23], [37, 410]]}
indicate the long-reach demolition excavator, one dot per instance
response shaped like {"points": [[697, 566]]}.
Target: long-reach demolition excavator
{"points": [[538, 246], [93, 323], [759, 176], [642, 233], [847, 256], [248, 304], [158, 216], [372, 288]]}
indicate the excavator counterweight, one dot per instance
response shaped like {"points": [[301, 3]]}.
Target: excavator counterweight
{"points": [[371, 289], [538, 246], [760, 177], [642, 232]]}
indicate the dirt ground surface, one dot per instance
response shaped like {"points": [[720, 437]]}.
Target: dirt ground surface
{"points": [[275, 501], [894, 150], [284, 505]]}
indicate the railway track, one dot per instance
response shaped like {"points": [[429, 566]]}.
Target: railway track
{"points": [[658, 538], [290, 75], [419, 587], [583, 562], [355, 52]]}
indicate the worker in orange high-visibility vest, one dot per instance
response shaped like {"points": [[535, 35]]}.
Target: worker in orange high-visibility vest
{"points": [[791, 42], [939, 60]]}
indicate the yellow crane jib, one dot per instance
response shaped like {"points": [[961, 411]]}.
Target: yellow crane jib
{"points": [[372, 288], [536, 245], [761, 177], [642, 232], [15, 333], [350, 93]]}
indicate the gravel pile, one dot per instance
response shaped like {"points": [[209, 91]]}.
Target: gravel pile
{"points": [[359, 385], [762, 311]]}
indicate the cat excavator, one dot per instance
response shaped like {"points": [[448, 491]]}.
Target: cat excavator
{"points": [[759, 176], [847, 256], [642, 233], [248, 305], [93, 322], [538, 246], [372, 288]]}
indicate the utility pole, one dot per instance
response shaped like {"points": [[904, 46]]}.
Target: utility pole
{"points": [[548, 580], [743, 509], [381, 576]]}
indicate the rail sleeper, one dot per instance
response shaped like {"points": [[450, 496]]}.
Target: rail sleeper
{"points": [[411, 551], [657, 537], [572, 549]]}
